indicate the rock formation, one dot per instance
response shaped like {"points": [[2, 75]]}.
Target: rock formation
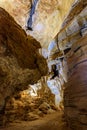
{"points": [[47, 20], [31, 107], [75, 95], [73, 41], [20, 61], [61, 25]]}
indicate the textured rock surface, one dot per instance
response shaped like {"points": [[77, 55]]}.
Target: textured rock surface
{"points": [[73, 41], [18, 9], [72, 32], [20, 61], [75, 95], [45, 92], [77, 7], [17, 68], [48, 18], [31, 107], [50, 122]]}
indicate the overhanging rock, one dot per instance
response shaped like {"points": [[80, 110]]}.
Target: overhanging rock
{"points": [[20, 61]]}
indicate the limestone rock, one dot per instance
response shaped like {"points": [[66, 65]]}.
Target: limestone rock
{"points": [[73, 41], [30, 117], [20, 61], [50, 111], [47, 20], [31, 108], [44, 107], [77, 7], [75, 95], [72, 32]]}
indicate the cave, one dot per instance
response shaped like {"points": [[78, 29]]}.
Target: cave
{"points": [[43, 64]]}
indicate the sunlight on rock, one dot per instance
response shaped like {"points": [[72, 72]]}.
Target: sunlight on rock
{"points": [[43, 64]]}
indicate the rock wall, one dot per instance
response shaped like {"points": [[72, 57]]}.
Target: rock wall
{"points": [[72, 31], [47, 20], [20, 61], [73, 42], [75, 95], [44, 92], [31, 106]]}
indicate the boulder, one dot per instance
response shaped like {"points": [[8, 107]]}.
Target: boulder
{"points": [[20, 61]]}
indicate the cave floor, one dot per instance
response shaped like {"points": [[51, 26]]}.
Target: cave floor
{"points": [[52, 121]]}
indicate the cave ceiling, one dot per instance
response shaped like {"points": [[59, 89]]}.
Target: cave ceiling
{"points": [[47, 20]]}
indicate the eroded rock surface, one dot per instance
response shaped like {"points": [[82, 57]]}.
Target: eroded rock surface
{"points": [[75, 96], [20, 62], [47, 20], [31, 107], [74, 45], [73, 41]]}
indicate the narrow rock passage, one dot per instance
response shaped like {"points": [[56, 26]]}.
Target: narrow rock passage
{"points": [[52, 121]]}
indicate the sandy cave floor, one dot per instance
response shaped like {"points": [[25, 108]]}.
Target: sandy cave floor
{"points": [[52, 121]]}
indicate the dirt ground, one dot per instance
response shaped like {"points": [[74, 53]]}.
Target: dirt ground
{"points": [[52, 121]]}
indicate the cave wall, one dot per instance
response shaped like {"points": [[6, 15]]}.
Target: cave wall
{"points": [[73, 42], [75, 95], [32, 106], [47, 20], [20, 61]]}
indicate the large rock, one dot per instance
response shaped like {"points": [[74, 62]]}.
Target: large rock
{"points": [[20, 61], [73, 41], [45, 92], [75, 95], [31, 108], [77, 7], [72, 32], [47, 20]]}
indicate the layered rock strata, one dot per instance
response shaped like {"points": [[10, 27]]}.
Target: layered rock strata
{"points": [[75, 95], [72, 31], [73, 41]]}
